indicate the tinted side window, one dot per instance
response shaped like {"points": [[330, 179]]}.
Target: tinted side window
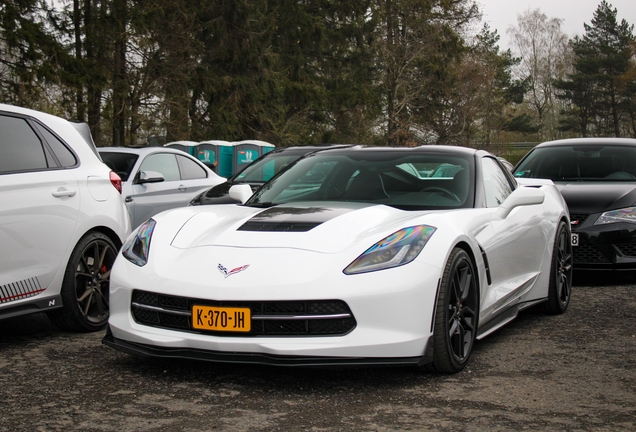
{"points": [[190, 170], [20, 147], [496, 183], [64, 155], [164, 163]]}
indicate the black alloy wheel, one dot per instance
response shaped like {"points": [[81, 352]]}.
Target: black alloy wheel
{"points": [[560, 287], [85, 290], [456, 315]]}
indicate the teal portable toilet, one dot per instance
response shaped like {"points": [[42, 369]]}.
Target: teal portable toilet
{"points": [[218, 155], [246, 152], [185, 146]]}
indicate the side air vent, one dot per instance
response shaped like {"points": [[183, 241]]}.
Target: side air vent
{"points": [[485, 258]]}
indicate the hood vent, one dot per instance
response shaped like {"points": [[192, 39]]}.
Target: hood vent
{"points": [[278, 226], [291, 219]]}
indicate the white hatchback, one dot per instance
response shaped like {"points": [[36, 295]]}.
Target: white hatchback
{"points": [[62, 220]]}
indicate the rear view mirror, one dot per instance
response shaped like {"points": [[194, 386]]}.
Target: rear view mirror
{"points": [[522, 196], [150, 177], [241, 192]]}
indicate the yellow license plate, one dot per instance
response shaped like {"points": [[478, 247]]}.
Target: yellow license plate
{"points": [[221, 318]]}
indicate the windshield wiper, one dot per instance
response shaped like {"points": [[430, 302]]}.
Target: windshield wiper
{"points": [[265, 204]]}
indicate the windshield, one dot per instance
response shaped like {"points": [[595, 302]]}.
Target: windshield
{"points": [[264, 169], [402, 179], [580, 163]]}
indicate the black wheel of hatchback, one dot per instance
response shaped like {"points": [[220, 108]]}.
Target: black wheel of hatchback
{"points": [[85, 289]]}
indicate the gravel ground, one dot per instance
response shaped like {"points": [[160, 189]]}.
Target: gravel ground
{"points": [[571, 372]]}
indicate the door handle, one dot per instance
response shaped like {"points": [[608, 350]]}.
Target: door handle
{"points": [[128, 199], [63, 192], [183, 188]]}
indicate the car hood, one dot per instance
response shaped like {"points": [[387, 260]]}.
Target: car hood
{"points": [[321, 228], [597, 197]]}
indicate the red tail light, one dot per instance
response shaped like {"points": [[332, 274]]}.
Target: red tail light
{"points": [[115, 180]]}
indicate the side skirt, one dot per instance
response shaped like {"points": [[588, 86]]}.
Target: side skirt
{"points": [[504, 318], [41, 305]]}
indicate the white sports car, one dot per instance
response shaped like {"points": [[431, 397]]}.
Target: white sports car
{"points": [[352, 256]]}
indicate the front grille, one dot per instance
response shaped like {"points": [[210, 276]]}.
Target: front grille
{"points": [[627, 249], [20, 290], [270, 318], [577, 219], [588, 254]]}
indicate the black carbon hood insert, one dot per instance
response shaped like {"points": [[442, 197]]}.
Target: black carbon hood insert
{"points": [[292, 219]]}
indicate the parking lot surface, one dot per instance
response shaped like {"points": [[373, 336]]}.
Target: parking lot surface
{"points": [[575, 371]]}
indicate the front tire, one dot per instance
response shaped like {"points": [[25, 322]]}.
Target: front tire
{"points": [[456, 315], [85, 289], [561, 269]]}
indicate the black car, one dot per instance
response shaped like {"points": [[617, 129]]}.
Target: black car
{"points": [[257, 173], [597, 178]]}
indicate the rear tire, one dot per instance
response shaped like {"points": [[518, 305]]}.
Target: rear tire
{"points": [[561, 269], [86, 285], [456, 315]]}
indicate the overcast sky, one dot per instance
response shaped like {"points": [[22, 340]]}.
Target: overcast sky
{"points": [[501, 14]]}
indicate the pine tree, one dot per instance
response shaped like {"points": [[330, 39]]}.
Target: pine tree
{"points": [[421, 50], [602, 57], [29, 53]]}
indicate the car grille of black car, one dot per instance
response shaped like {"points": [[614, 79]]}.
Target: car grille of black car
{"points": [[588, 254], [576, 219], [269, 318], [627, 249], [585, 252]]}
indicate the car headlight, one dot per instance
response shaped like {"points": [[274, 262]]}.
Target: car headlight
{"points": [[627, 214], [136, 248], [398, 249]]}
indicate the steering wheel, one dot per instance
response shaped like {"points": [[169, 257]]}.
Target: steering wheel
{"points": [[442, 191], [620, 175], [333, 192]]}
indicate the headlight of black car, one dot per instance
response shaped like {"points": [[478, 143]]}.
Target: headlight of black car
{"points": [[627, 214]]}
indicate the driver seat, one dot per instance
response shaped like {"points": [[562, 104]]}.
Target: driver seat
{"points": [[459, 185], [367, 185]]}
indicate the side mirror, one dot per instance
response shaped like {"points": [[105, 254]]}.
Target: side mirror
{"points": [[522, 196], [150, 177], [241, 192]]}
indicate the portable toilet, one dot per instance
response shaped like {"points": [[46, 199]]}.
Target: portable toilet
{"points": [[186, 146], [246, 152], [218, 155]]}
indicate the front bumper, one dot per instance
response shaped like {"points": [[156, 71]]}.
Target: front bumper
{"points": [[258, 358], [604, 247], [393, 312]]}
